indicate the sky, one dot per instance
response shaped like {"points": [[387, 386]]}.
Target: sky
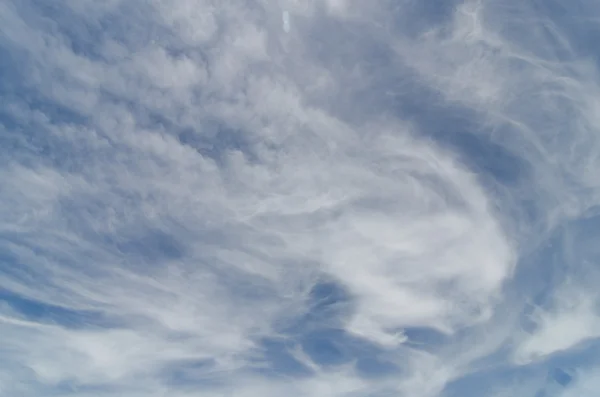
{"points": [[320, 198]]}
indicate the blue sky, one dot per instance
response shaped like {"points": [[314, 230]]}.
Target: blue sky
{"points": [[324, 198]]}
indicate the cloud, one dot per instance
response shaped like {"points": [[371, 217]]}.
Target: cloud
{"points": [[195, 202], [555, 329]]}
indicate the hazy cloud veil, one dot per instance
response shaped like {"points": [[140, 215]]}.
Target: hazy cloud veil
{"points": [[299, 197]]}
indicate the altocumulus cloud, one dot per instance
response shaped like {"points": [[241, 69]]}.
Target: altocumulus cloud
{"points": [[303, 198]]}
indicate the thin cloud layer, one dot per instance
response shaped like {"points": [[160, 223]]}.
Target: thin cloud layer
{"points": [[316, 198]]}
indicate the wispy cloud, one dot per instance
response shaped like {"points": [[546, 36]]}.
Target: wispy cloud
{"points": [[318, 198]]}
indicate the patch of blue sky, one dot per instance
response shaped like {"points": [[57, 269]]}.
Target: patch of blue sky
{"points": [[45, 313], [545, 378]]}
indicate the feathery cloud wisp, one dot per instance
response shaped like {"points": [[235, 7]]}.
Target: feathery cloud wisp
{"points": [[364, 198]]}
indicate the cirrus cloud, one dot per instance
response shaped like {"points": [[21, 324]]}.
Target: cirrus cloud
{"points": [[374, 199]]}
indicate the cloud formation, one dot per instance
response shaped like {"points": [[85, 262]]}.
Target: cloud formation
{"points": [[316, 198]]}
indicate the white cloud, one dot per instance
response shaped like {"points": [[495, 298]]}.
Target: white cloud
{"points": [[189, 174], [573, 319]]}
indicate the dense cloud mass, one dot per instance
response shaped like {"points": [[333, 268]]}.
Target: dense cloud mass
{"points": [[324, 198]]}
